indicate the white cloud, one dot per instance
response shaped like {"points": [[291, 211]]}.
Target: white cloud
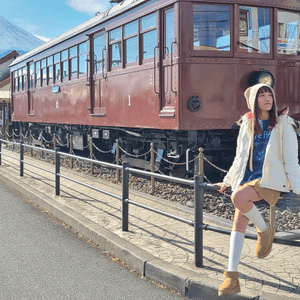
{"points": [[45, 39], [88, 6]]}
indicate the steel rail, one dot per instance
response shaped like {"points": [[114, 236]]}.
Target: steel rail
{"points": [[189, 222], [90, 186], [36, 166]]}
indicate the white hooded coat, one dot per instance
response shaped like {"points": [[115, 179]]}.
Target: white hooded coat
{"points": [[281, 159]]}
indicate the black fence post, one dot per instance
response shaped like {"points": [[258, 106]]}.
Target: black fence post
{"points": [[21, 158], [125, 195], [57, 170], [199, 202]]}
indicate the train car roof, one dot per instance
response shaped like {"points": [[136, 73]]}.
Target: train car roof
{"points": [[98, 19]]}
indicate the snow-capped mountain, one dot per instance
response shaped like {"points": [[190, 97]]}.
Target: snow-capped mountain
{"points": [[13, 37]]}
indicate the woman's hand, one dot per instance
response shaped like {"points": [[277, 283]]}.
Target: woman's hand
{"points": [[222, 186]]}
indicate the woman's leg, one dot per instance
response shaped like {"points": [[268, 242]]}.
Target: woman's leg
{"points": [[243, 200], [231, 284]]}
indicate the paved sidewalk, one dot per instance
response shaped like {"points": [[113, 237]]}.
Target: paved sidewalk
{"points": [[160, 248]]}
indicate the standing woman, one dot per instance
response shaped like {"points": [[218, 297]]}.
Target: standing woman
{"points": [[266, 162]]}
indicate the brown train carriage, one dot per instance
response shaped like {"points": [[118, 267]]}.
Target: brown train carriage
{"points": [[168, 72]]}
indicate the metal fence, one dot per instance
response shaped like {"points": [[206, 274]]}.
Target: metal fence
{"points": [[198, 184]]}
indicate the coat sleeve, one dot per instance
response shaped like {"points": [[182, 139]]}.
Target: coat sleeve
{"points": [[232, 171], [290, 153]]}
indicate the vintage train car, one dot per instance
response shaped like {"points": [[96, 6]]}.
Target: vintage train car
{"points": [[162, 71]]}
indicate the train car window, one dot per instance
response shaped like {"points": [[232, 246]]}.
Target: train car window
{"points": [[254, 30], [64, 55], [50, 74], [130, 29], [169, 30], [148, 21], [131, 42], [16, 81], [50, 61], [50, 69], [44, 71], [73, 61], [57, 72], [99, 55], [115, 47], [149, 43], [57, 58], [37, 74], [82, 51], [24, 78], [31, 71], [132, 52], [20, 79], [212, 27], [288, 33], [65, 69]]}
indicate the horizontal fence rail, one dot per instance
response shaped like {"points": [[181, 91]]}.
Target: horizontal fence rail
{"points": [[198, 183]]}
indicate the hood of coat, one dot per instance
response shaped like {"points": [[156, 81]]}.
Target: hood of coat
{"points": [[251, 92]]}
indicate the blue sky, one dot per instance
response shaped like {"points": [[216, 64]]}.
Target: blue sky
{"points": [[50, 18]]}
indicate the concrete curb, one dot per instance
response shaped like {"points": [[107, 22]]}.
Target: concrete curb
{"points": [[187, 283]]}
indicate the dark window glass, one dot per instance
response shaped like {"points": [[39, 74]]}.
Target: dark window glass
{"points": [[99, 45], [149, 43], [132, 50], [16, 81], [255, 29], [169, 30], [148, 21], [212, 27]]}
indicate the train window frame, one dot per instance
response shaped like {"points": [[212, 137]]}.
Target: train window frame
{"points": [[50, 66], [83, 54], [24, 78], [20, 78], [276, 37], [128, 37], [111, 44], [101, 70], [256, 55], [147, 30], [37, 70], [16, 81], [31, 76], [44, 75], [64, 55], [73, 57], [214, 53]]}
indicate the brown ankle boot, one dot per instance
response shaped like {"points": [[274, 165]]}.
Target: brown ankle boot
{"points": [[231, 284], [264, 241]]}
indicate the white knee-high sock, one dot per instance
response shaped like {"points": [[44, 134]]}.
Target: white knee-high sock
{"points": [[255, 216], [235, 250]]}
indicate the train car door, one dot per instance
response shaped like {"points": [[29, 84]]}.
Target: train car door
{"points": [[98, 52], [167, 39]]}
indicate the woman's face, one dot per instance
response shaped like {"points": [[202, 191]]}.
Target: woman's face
{"points": [[265, 101]]}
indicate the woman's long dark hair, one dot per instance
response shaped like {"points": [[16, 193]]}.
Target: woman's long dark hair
{"points": [[273, 115]]}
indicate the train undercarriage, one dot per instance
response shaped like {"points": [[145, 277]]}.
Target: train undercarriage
{"points": [[175, 151]]}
